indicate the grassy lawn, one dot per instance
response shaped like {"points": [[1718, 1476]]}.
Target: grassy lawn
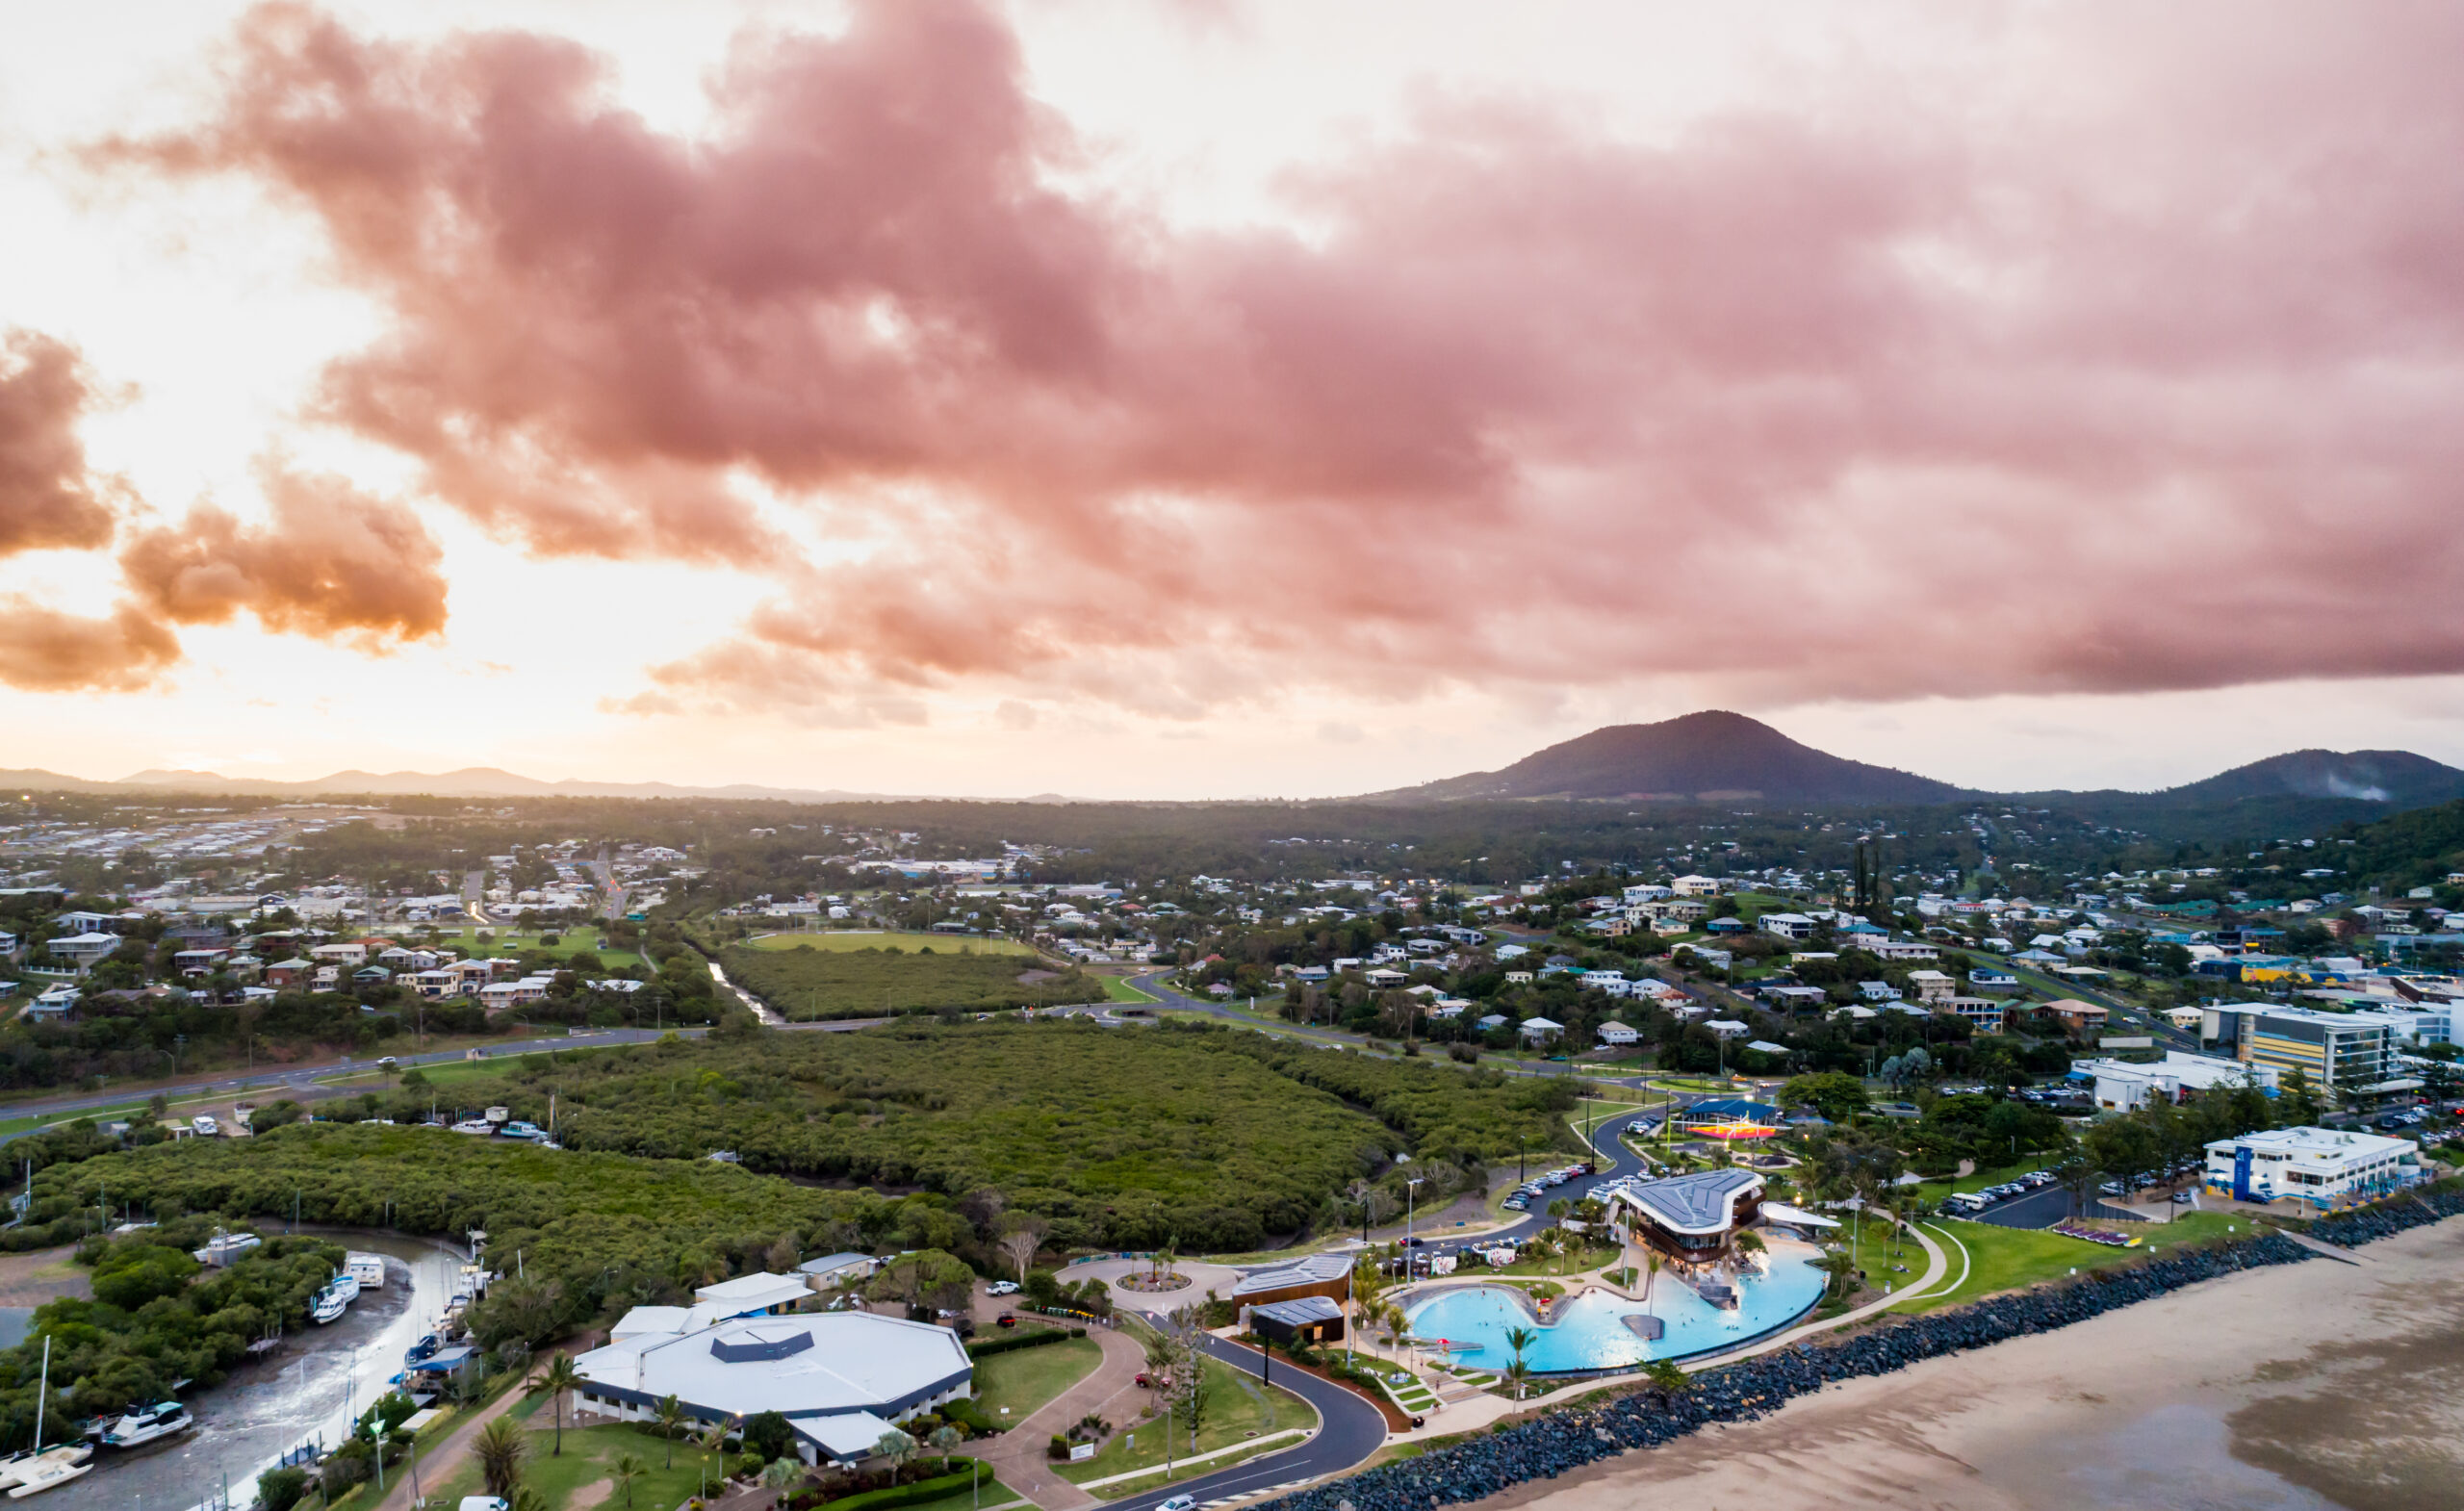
{"points": [[811, 976], [1239, 1407], [2007, 1259], [882, 939], [1117, 988], [1026, 1379], [590, 1456], [584, 940]]}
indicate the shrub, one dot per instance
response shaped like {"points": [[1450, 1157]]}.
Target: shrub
{"points": [[769, 1435], [280, 1489]]}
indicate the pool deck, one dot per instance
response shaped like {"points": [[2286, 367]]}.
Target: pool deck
{"points": [[1487, 1410]]}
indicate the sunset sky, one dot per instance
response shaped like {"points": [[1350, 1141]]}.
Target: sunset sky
{"points": [[1229, 397]]}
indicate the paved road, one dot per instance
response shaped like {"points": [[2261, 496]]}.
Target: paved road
{"points": [[302, 1076], [607, 883], [1351, 1430], [475, 892]]}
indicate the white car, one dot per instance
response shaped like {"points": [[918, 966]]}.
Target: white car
{"points": [[1002, 1288], [1179, 1503]]}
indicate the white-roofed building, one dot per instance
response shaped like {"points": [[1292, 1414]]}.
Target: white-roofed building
{"points": [[759, 1291], [840, 1378]]}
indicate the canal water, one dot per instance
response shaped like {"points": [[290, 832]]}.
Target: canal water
{"points": [[320, 1382]]}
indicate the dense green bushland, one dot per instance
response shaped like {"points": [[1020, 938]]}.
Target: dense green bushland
{"points": [[593, 1231], [807, 984], [1120, 1136], [1470, 1118], [157, 1316]]}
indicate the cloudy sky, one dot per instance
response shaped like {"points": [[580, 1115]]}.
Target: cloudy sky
{"points": [[1225, 398]]}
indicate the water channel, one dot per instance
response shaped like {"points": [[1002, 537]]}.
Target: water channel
{"points": [[313, 1389]]}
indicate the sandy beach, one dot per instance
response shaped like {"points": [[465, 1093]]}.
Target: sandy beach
{"points": [[2307, 1385]]}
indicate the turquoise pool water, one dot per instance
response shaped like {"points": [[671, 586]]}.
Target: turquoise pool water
{"points": [[1589, 1332]]}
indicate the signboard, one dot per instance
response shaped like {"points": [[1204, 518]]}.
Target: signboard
{"points": [[1080, 1452], [2127, 1041], [2242, 1174]]}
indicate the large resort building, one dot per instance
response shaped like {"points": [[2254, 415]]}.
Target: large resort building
{"points": [[842, 1379], [1692, 1220]]}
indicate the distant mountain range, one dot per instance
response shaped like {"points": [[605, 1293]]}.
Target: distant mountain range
{"points": [[1710, 757], [1717, 756]]}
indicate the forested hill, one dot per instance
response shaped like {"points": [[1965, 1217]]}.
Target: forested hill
{"points": [[2408, 850], [2399, 778], [1701, 755]]}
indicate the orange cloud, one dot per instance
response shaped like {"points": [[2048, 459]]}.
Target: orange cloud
{"points": [[44, 651], [332, 562]]}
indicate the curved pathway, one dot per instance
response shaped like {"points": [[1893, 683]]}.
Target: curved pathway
{"points": [[1017, 1454], [1350, 1430]]}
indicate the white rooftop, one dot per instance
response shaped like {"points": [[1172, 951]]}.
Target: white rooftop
{"points": [[755, 1292], [804, 1366]]}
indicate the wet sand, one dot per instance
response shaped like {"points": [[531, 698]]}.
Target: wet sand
{"points": [[2307, 1385]]}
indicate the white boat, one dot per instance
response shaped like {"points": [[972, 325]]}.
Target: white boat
{"points": [[148, 1425], [369, 1269], [475, 1125], [32, 1473], [347, 1284], [225, 1247], [327, 1306]]}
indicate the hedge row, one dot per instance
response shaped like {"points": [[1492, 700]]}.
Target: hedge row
{"points": [[1034, 1339], [922, 1490]]}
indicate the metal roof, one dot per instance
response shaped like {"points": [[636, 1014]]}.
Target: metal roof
{"points": [[1703, 1202], [1300, 1311], [1315, 1271]]}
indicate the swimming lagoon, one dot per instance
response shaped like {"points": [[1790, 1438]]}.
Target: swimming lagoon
{"points": [[1589, 1332]]}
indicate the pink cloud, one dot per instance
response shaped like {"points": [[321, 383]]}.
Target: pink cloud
{"points": [[48, 498], [2134, 368]]}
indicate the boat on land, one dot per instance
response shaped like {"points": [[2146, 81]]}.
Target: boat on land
{"points": [[329, 1304], [368, 1270], [32, 1473], [40, 1469], [148, 1425]]}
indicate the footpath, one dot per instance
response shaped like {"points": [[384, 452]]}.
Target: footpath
{"points": [[1017, 1454]]}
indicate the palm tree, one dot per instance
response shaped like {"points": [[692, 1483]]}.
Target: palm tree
{"points": [[1668, 1381], [499, 1448], [671, 1421], [556, 1377], [1519, 1338], [628, 1468], [1652, 1260]]}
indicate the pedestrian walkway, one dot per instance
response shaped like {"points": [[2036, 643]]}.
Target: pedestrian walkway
{"points": [[441, 1461], [1017, 1454]]}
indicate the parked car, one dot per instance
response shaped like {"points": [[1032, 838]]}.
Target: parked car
{"points": [[1002, 1288]]}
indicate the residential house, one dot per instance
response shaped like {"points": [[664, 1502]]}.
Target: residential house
{"points": [[1933, 985], [1618, 1033], [81, 952]]}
